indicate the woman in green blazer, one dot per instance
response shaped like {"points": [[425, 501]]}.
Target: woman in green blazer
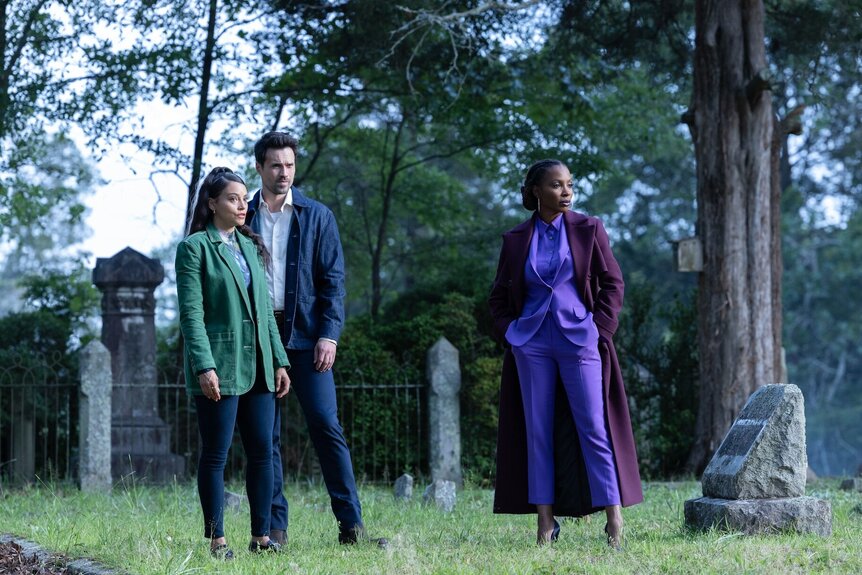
{"points": [[234, 361]]}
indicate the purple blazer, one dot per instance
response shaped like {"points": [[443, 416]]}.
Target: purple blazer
{"points": [[559, 298], [598, 282]]}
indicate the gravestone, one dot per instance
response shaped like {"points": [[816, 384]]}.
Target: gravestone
{"points": [[755, 482], [404, 487], [234, 501], [442, 494], [140, 438], [444, 411], [94, 413]]}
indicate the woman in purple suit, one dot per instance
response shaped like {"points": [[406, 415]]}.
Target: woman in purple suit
{"points": [[565, 443]]}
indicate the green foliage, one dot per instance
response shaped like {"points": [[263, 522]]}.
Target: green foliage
{"points": [[822, 270], [657, 345], [68, 294], [42, 182], [393, 350]]}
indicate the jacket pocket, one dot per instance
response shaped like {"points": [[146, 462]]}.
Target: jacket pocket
{"points": [[223, 349]]}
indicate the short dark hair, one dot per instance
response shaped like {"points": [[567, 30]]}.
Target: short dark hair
{"points": [[533, 178], [273, 141]]}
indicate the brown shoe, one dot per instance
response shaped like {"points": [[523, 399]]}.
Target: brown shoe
{"points": [[357, 535], [279, 536]]}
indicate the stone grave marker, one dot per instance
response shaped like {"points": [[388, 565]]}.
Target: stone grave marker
{"points": [[755, 482]]}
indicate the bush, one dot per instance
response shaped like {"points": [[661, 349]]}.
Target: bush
{"points": [[393, 350], [657, 346]]}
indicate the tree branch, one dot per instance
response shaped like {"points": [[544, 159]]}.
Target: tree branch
{"points": [[448, 154], [25, 33], [792, 122], [451, 23]]}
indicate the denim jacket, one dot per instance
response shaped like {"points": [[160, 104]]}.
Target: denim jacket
{"points": [[314, 282]]}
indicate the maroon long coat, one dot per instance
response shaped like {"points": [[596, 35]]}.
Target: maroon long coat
{"points": [[600, 283]]}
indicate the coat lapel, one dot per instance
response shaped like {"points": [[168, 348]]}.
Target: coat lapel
{"points": [[518, 249], [581, 232], [249, 251], [226, 256]]}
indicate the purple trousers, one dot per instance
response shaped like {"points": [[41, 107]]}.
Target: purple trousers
{"points": [[540, 361]]}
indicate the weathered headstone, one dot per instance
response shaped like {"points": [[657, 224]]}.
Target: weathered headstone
{"points": [[404, 487], [234, 501], [141, 440], [444, 411], [763, 454], [441, 493], [755, 482], [94, 463]]}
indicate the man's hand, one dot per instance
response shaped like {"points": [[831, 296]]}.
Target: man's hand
{"points": [[282, 382], [324, 355]]}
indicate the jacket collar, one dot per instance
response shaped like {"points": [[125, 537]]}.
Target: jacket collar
{"points": [[580, 231], [248, 251]]}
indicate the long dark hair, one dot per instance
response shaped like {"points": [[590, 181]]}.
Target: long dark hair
{"points": [[534, 178], [211, 187]]}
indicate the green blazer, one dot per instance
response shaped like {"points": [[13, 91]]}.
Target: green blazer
{"points": [[216, 315]]}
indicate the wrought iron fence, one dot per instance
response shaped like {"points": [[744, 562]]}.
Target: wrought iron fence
{"points": [[38, 417], [384, 425]]}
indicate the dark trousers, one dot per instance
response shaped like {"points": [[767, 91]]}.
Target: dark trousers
{"points": [[253, 413], [316, 394]]}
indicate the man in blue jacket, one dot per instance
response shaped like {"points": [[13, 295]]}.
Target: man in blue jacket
{"points": [[306, 283]]}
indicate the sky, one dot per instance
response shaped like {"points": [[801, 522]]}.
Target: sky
{"points": [[136, 207]]}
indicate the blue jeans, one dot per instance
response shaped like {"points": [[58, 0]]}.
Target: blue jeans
{"points": [[316, 394], [253, 413]]}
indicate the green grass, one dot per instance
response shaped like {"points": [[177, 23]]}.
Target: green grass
{"points": [[146, 530]]}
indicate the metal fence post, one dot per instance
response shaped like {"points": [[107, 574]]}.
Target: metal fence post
{"points": [[95, 418]]}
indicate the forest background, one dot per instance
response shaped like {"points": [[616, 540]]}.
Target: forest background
{"points": [[417, 121]]}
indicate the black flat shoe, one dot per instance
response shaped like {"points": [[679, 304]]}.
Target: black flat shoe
{"points": [[614, 542], [268, 547], [222, 552]]}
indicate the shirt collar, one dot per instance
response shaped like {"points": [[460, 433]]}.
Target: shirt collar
{"points": [[544, 227], [288, 201]]}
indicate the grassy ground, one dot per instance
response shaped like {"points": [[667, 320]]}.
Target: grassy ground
{"points": [[144, 530]]}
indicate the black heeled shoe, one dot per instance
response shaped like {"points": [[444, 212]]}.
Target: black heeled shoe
{"points": [[614, 542], [555, 535], [222, 552], [268, 547]]}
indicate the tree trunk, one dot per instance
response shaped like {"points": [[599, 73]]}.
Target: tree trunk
{"points": [[732, 127], [4, 71], [203, 109]]}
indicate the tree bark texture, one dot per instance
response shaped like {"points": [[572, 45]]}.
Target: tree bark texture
{"points": [[732, 129], [203, 109]]}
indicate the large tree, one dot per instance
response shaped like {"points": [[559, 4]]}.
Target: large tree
{"points": [[732, 125]]}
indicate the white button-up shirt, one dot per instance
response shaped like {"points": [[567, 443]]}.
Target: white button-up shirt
{"points": [[275, 231]]}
